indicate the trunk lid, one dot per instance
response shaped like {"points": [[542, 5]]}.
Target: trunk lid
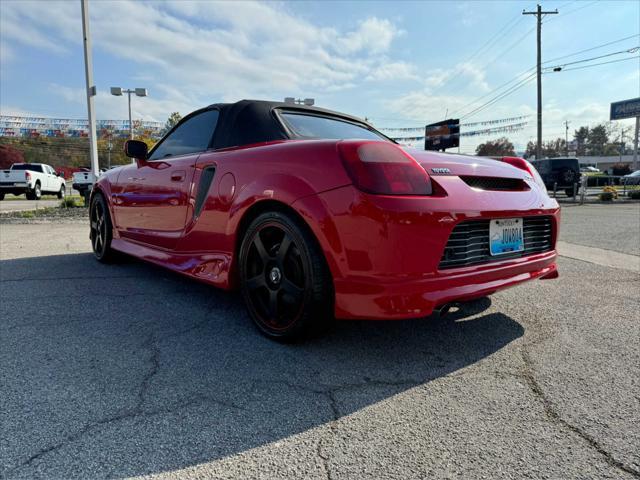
{"points": [[447, 164]]}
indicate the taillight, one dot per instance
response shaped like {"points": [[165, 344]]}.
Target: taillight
{"points": [[383, 168], [522, 164], [27, 176]]}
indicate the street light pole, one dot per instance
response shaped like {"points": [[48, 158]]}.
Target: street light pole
{"points": [[130, 124], [140, 92], [91, 88]]}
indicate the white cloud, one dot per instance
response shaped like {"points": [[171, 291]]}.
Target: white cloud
{"points": [[373, 34], [26, 22], [215, 51], [394, 71]]}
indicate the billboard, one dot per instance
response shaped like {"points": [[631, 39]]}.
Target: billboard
{"points": [[442, 135], [625, 109]]}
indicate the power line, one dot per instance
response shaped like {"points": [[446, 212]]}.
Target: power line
{"points": [[592, 48], [577, 9], [630, 50], [518, 77], [504, 94], [510, 25], [594, 65]]}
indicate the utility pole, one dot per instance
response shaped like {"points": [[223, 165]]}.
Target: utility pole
{"points": [[91, 88], [538, 13], [566, 137]]}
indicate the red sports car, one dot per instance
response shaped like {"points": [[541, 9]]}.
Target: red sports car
{"points": [[315, 215]]}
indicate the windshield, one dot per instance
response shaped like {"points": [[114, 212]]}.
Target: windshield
{"points": [[315, 126], [27, 166]]}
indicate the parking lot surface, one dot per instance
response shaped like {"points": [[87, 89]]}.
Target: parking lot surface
{"points": [[127, 370]]}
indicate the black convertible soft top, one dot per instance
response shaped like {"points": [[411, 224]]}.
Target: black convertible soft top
{"points": [[254, 121]]}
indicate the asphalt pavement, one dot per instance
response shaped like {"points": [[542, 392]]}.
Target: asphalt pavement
{"points": [[614, 227], [128, 370], [23, 205]]}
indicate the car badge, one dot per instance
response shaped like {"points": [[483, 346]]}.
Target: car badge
{"points": [[440, 170]]}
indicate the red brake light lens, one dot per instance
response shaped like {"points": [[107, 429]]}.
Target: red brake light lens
{"points": [[522, 164], [27, 176], [383, 168], [518, 162]]}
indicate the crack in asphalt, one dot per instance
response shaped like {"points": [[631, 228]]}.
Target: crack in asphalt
{"points": [[151, 344], [325, 457], [329, 393], [554, 417]]}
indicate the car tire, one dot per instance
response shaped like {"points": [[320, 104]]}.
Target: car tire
{"points": [[36, 193], [101, 230], [1, 196], [62, 192], [284, 278], [569, 192]]}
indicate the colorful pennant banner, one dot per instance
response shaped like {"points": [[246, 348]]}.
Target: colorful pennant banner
{"points": [[486, 131], [14, 126], [473, 124]]}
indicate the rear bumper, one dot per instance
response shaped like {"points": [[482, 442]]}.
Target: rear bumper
{"points": [[17, 188], [384, 252], [419, 298]]}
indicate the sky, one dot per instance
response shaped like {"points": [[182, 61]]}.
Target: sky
{"points": [[399, 64]]}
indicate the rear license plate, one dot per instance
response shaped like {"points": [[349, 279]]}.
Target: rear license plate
{"points": [[506, 236]]}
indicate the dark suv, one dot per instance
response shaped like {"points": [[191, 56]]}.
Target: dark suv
{"points": [[563, 172]]}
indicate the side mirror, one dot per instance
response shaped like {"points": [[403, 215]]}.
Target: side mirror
{"points": [[136, 149]]}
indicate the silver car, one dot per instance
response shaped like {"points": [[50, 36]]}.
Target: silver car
{"points": [[632, 178]]}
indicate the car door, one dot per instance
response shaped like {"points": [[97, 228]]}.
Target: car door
{"points": [[151, 198], [52, 180]]}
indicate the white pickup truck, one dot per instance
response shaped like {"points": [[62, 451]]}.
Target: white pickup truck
{"points": [[83, 181], [32, 179]]}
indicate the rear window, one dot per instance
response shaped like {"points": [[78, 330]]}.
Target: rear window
{"points": [[555, 163], [316, 126], [27, 166], [564, 163]]}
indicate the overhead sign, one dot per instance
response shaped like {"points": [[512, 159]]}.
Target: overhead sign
{"points": [[625, 109], [442, 135]]}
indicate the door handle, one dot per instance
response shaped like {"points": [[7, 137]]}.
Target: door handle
{"points": [[178, 176], [136, 179]]}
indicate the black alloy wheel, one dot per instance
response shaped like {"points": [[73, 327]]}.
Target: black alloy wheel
{"points": [[285, 282], [101, 227]]}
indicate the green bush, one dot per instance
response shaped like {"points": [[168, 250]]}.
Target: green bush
{"points": [[606, 196], [635, 194], [68, 202]]}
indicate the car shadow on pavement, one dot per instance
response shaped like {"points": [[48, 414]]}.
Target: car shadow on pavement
{"points": [[128, 369]]}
